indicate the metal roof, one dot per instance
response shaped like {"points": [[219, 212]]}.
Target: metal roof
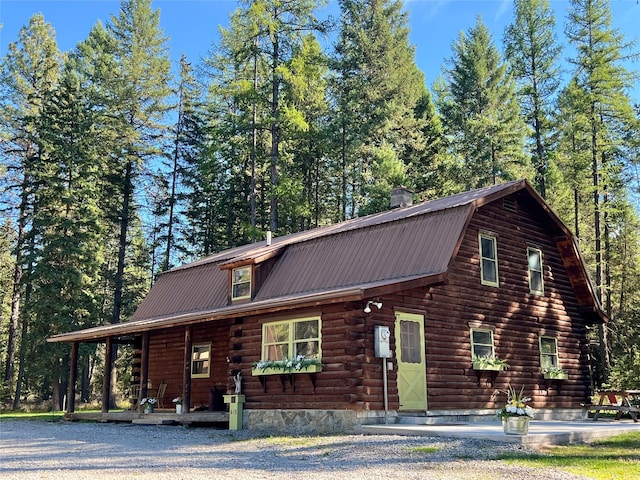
{"points": [[340, 262]]}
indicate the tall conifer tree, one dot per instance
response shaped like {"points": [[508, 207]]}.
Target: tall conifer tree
{"points": [[376, 93], [481, 113], [29, 73], [534, 53], [604, 80]]}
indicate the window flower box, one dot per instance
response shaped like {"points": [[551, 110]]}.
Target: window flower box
{"points": [[555, 374], [256, 371], [300, 364], [489, 363]]}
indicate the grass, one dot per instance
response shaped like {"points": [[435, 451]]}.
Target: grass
{"points": [[34, 416], [607, 459], [425, 449]]}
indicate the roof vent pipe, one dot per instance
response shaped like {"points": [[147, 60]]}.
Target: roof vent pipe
{"points": [[268, 238], [401, 196]]}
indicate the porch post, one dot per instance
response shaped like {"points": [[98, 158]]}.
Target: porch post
{"points": [[73, 376], [106, 381], [186, 379], [144, 368]]}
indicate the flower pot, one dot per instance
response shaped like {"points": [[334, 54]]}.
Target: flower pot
{"points": [[516, 425], [148, 408], [179, 408]]}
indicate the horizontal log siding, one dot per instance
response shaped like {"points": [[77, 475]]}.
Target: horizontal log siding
{"points": [[166, 357], [518, 317], [351, 377]]}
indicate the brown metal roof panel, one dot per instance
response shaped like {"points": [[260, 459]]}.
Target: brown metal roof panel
{"points": [[185, 290], [421, 245], [258, 249]]}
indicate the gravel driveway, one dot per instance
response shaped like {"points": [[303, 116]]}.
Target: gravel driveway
{"points": [[62, 450]]}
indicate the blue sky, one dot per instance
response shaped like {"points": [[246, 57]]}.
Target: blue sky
{"points": [[192, 25]]}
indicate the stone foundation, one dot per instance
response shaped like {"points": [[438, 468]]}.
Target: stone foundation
{"points": [[314, 422], [309, 422]]}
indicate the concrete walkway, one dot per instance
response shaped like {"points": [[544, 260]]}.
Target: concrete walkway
{"points": [[540, 432]]}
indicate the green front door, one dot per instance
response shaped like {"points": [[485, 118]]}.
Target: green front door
{"points": [[412, 375]]}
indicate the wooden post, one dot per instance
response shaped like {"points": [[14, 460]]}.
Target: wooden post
{"points": [[144, 368], [73, 376], [186, 379], [106, 381]]}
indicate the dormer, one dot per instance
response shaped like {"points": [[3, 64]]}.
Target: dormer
{"points": [[248, 272]]}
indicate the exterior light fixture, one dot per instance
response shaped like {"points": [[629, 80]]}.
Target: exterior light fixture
{"points": [[367, 307]]}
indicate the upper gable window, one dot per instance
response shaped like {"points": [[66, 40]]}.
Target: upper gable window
{"points": [[536, 278], [241, 283], [488, 260]]}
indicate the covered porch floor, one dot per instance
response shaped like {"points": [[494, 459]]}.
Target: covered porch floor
{"points": [[158, 417]]}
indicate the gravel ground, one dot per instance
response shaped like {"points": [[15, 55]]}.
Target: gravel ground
{"points": [[61, 450]]}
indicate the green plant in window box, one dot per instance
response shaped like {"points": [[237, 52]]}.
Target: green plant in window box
{"points": [[488, 362], [554, 373], [299, 364]]}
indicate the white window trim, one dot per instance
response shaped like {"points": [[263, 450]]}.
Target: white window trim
{"points": [[541, 271], [495, 259], [206, 346]]}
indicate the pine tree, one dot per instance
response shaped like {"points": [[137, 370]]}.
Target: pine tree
{"points": [[480, 112], [376, 93], [67, 224], [533, 53], [29, 73], [604, 82]]}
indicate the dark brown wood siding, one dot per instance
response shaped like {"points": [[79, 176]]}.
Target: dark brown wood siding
{"points": [[519, 318], [352, 377], [166, 360]]}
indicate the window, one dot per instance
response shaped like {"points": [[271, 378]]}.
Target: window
{"points": [[241, 283], [488, 260], [482, 343], [536, 280], [411, 350], [288, 339], [200, 355], [548, 353]]}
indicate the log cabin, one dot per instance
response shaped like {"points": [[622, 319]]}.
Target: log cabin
{"points": [[429, 310]]}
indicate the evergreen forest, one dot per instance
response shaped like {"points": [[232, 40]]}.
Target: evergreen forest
{"points": [[116, 165]]}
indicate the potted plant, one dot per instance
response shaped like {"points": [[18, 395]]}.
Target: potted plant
{"points": [[149, 404], [178, 402], [554, 373], [516, 414], [489, 362]]}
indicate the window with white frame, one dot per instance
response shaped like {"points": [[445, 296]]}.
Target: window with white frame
{"points": [[488, 260], [200, 360], [536, 277], [548, 353], [241, 283], [482, 343], [291, 338]]}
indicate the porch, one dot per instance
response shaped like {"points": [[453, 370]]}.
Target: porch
{"points": [[158, 417]]}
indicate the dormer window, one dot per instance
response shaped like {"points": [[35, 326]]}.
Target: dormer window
{"points": [[241, 283]]}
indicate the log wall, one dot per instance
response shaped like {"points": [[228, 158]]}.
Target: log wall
{"points": [[351, 377]]}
